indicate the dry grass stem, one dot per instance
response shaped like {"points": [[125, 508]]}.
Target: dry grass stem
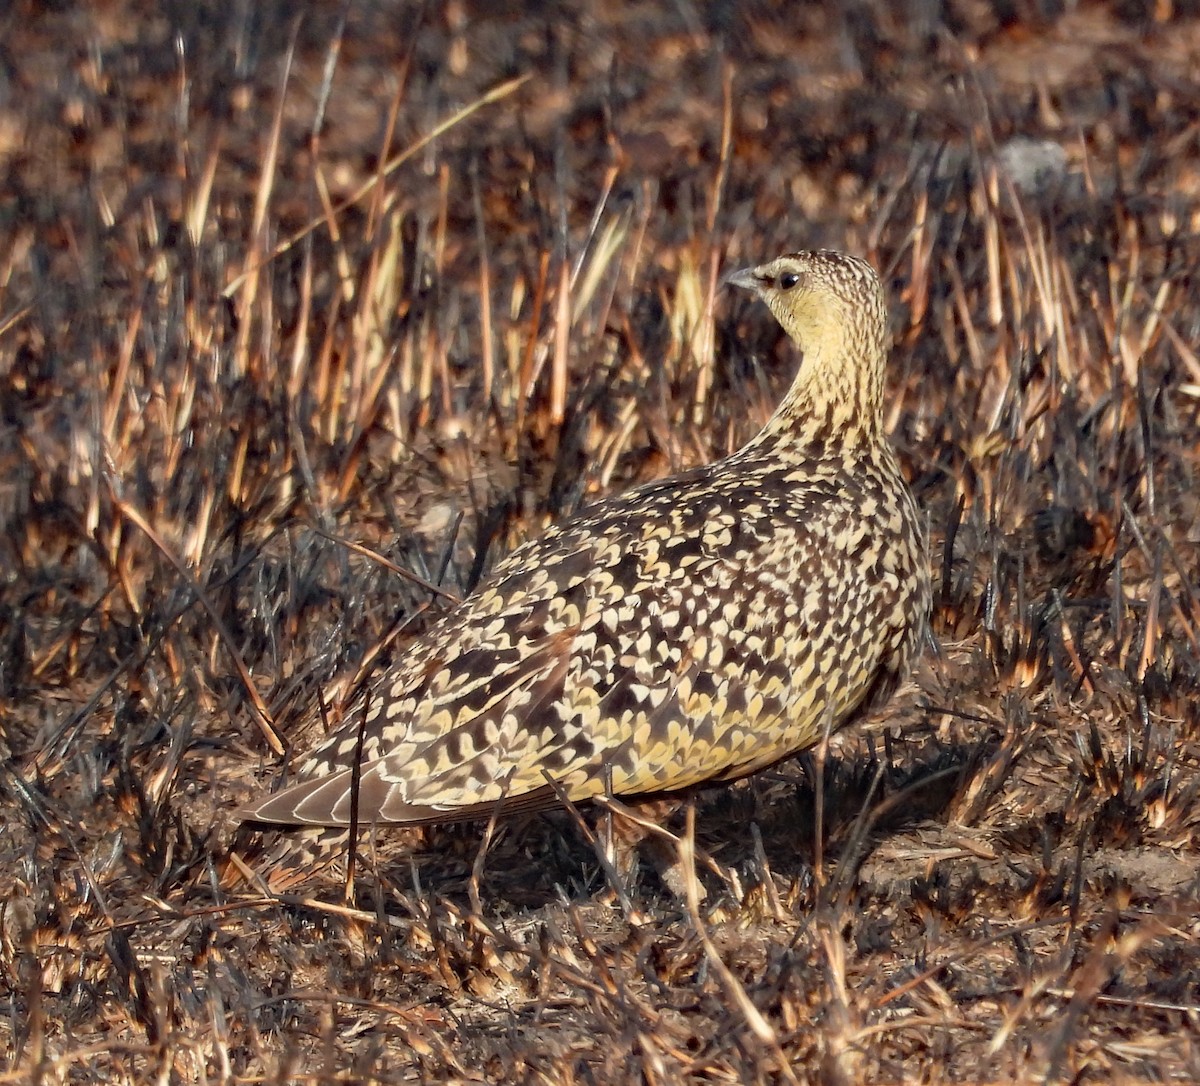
{"points": [[304, 323]]}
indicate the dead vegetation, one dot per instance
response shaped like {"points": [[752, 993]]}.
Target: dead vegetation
{"points": [[303, 322]]}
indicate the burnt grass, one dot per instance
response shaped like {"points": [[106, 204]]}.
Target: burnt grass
{"points": [[304, 321]]}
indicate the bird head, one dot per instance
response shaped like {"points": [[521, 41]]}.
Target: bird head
{"points": [[833, 308], [821, 297]]}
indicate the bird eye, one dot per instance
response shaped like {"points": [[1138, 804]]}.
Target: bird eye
{"points": [[788, 280]]}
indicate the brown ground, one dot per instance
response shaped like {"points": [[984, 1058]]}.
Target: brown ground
{"points": [[232, 343]]}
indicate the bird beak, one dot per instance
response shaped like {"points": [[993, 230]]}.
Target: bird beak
{"points": [[746, 278]]}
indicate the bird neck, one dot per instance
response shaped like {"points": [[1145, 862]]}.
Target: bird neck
{"points": [[836, 399]]}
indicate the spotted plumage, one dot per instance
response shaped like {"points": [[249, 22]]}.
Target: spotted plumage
{"points": [[695, 629]]}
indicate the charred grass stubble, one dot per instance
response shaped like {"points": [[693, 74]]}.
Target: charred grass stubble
{"points": [[268, 407]]}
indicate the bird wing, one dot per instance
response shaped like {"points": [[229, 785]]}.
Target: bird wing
{"points": [[453, 733], [637, 657]]}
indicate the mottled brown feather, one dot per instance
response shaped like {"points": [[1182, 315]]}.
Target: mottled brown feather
{"points": [[698, 628]]}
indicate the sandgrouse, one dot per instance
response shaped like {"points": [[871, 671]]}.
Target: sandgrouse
{"points": [[694, 629]]}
